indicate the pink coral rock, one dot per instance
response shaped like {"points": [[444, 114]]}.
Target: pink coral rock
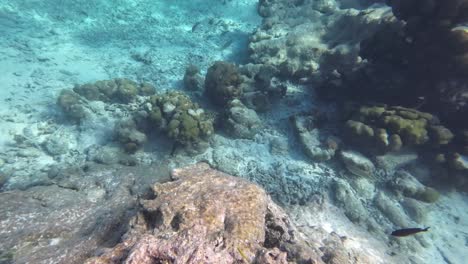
{"points": [[206, 216]]}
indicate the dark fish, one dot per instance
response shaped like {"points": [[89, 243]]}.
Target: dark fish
{"points": [[408, 231], [194, 27]]}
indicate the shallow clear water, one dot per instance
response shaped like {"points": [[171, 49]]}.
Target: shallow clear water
{"points": [[350, 114]]}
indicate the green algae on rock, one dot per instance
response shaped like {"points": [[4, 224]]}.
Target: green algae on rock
{"points": [[115, 90], [388, 128]]}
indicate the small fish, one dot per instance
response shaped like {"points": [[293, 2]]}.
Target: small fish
{"points": [[194, 27], [408, 231]]}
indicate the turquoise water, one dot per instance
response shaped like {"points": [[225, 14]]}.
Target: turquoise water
{"points": [[350, 114]]}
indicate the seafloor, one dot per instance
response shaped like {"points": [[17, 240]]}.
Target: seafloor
{"points": [[311, 100]]}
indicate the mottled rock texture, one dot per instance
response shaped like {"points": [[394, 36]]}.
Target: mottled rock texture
{"points": [[84, 210], [240, 121], [206, 216], [309, 136], [52, 224]]}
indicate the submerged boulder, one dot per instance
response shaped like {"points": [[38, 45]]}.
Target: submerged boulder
{"points": [[242, 122], [206, 216], [64, 223], [309, 136], [358, 164]]}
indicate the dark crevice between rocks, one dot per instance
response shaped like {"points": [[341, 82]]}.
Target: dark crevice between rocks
{"points": [[176, 221], [273, 234], [153, 219]]}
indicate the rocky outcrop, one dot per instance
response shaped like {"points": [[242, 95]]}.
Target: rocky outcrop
{"points": [[52, 224], [206, 216], [306, 128], [202, 216]]}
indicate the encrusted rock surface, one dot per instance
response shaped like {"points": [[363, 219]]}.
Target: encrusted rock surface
{"points": [[309, 137], [206, 216], [52, 224], [242, 122], [80, 211]]}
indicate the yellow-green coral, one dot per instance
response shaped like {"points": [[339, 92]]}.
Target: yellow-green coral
{"points": [[388, 128], [428, 195], [359, 128]]}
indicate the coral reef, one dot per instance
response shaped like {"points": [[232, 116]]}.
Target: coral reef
{"points": [[178, 117], [385, 128], [116, 90], [421, 54], [301, 39], [223, 83], [72, 104]]}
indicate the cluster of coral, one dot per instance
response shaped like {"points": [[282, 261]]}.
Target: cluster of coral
{"points": [[414, 65], [382, 129], [172, 113], [389, 128], [256, 85], [73, 102], [418, 57], [181, 119], [302, 39], [240, 91]]}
